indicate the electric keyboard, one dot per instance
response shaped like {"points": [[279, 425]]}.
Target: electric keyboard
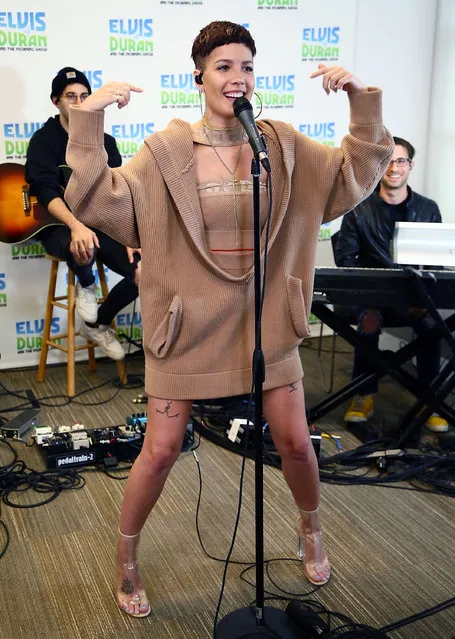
{"points": [[381, 287]]}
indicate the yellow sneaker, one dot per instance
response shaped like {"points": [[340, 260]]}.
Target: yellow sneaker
{"points": [[360, 410], [437, 424]]}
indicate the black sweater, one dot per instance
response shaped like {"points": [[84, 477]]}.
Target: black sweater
{"points": [[366, 232], [46, 153]]}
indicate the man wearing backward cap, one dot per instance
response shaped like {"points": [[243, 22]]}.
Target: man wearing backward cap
{"points": [[77, 244]]}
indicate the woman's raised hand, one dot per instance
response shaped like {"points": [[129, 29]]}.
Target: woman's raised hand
{"points": [[337, 78], [110, 93]]}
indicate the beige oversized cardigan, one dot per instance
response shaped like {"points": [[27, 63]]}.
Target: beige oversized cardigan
{"points": [[198, 321]]}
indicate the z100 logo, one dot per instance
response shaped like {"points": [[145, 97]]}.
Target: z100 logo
{"points": [[275, 91], [27, 251], [16, 138], [129, 324], [23, 31], [178, 90], [323, 132], [2, 288], [29, 334], [131, 36], [318, 44], [130, 137]]}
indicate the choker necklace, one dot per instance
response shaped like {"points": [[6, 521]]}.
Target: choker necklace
{"points": [[231, 134], [241, 143]]}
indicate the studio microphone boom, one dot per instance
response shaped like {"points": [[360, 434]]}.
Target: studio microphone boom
{"points": [[244, 112]]}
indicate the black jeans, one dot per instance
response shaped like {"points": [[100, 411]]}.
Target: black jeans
{"points": [[428, 360], [56, 240]]}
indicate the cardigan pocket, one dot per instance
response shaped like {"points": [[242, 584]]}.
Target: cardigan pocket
{"points": [[167, 331], [297, 306]]}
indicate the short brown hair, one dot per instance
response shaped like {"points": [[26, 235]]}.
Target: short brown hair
{"points": [[216, 34], [407, 145]]}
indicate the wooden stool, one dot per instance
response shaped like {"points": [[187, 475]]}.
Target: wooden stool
{"points": [[68, 302]]}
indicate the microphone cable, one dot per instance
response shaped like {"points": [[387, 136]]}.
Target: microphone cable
{"points": [[227, 560]]}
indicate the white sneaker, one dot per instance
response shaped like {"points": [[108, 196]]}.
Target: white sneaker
{"points": [[105, 338], [87, 302]]}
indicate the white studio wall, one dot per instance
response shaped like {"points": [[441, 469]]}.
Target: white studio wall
{"points": [[441, 129], [149, 44]]}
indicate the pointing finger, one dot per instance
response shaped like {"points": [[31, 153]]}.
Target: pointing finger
{"points": [[322, 68], [131, 87]]}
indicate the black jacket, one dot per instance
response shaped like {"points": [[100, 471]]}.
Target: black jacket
{"points": [[46, 153], [366, 231]]}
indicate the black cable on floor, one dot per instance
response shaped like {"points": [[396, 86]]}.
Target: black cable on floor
{"points": [[18, 478], [137, 381], [422, 471], [420, 615]]}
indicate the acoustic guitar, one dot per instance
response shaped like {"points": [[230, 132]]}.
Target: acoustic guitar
{"points": [[21, 216]]}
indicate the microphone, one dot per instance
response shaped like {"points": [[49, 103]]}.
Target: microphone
{"points": [[244, 112]]}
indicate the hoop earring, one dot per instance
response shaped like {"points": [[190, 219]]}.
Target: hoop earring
{"points": [[200, 103], [258, 98]]}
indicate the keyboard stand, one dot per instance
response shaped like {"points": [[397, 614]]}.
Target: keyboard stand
{"points": [[432, 400], [391, 362]]}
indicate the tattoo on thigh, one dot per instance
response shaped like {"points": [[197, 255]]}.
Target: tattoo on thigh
{"points": [[167, 409], [292, 387]]}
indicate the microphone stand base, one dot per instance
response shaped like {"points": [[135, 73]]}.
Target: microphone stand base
{"points": [[241, 624]]}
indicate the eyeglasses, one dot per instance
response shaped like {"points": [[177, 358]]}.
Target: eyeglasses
{"points": [[72, 97], [400, 161]]}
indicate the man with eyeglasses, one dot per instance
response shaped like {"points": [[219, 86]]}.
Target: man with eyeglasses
{"points": [[364, 242], [47, 174]]}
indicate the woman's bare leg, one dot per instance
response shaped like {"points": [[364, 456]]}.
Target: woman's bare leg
{"points": [[166, 426], [284, 410]]}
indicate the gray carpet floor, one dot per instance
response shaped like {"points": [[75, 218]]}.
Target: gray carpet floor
{"points": [[391, 551]]}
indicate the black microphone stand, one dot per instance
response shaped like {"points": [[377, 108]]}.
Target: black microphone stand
{"points": [[267, 621]]}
